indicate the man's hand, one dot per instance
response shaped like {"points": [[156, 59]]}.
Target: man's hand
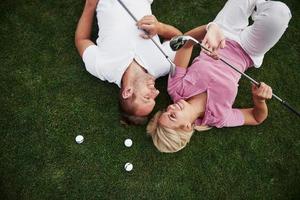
{"points": [[261, 93], [150, 25], [213, 40]]}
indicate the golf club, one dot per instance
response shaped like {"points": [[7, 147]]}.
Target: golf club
{"points": [[172, 65], [177, 42]]}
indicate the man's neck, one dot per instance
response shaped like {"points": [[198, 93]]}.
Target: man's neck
{"points": [[133, 71]]}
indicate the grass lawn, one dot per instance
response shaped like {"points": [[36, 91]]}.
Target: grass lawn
{"points": [[47, 98]]}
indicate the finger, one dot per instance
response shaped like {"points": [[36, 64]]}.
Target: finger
{"points": [[270, 92], [215, 56], [149, 17], [223, 44], [264, 93], [147, 28], [253, 87], [204, 41], [147, 21], [206, 52], [210, 49], [258, 91], [215, 50], [142, 23], [262, 84], [145, 17], [145, 36], [206, 47], [255, 90]]}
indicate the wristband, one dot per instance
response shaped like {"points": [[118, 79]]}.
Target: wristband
{"points": [[210, 23]]}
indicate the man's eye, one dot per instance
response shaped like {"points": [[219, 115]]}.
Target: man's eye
{"points": [[173, 116]]}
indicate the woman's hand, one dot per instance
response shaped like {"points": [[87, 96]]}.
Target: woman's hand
{"points": [[150, 25], [261, 93], [258, 114], [213, 40]]}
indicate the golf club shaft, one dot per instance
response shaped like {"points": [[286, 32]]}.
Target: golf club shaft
{"points": [[254, 82], [135, 19]]}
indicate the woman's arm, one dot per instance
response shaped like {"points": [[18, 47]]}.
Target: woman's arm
{"points": [[183, 55], [212, 38], [257, 114]]}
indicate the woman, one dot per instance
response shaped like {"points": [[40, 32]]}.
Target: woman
{"points": [[204, 93]]}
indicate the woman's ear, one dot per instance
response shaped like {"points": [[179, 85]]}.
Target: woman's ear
{"points": [[127, 92]]}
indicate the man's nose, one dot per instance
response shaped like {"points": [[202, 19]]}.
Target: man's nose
{"points": [[155, 93]]}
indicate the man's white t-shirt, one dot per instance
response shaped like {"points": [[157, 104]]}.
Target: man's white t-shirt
{"points": [[119, 43]]}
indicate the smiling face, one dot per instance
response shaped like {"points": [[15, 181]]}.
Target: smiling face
{"points": [[145, 94], [177, 116]]}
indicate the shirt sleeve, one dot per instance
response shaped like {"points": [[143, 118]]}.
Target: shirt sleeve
{"points": [[176, 80], [235, 118], [89, 58]]}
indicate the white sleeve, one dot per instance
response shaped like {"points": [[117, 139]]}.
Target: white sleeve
{"points": [[89, 58]]}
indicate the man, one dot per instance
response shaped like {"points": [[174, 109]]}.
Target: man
{"points": [[122, 54]]}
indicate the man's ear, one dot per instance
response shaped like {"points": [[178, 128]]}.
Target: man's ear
{"points": [[127, 92]]}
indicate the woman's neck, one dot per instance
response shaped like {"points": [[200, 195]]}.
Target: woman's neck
{"points": [[198, 102]]}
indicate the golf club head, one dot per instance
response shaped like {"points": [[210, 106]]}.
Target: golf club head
{"points": [[178, 41]]}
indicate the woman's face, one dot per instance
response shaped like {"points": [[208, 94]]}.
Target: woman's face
{"points": [[177, 116]]}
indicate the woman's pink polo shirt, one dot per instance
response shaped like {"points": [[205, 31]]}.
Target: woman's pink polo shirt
{"points": [[218, 80]]}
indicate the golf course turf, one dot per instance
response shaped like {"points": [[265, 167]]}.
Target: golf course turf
{"points": [[48, 98]]}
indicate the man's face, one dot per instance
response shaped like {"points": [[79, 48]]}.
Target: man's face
{"points": [[145, 94]]}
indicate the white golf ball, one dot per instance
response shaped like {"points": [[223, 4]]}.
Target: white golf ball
{"points": [[128, 142], [79, 139], [128, 167]]}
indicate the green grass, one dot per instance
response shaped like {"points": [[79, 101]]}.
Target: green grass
{"points": [[47, 98]]}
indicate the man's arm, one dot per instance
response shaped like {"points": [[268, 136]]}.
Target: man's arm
{"points": [[84, 26], [152, 26], [167, 31]]}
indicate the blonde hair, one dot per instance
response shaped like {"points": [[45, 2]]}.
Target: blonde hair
{"points": [[168, 140]]}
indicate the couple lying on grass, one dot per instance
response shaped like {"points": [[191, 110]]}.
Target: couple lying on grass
{"points": [[203, 93]]}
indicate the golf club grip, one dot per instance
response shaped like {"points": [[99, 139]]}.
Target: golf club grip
{"points": [[290, 108]]}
